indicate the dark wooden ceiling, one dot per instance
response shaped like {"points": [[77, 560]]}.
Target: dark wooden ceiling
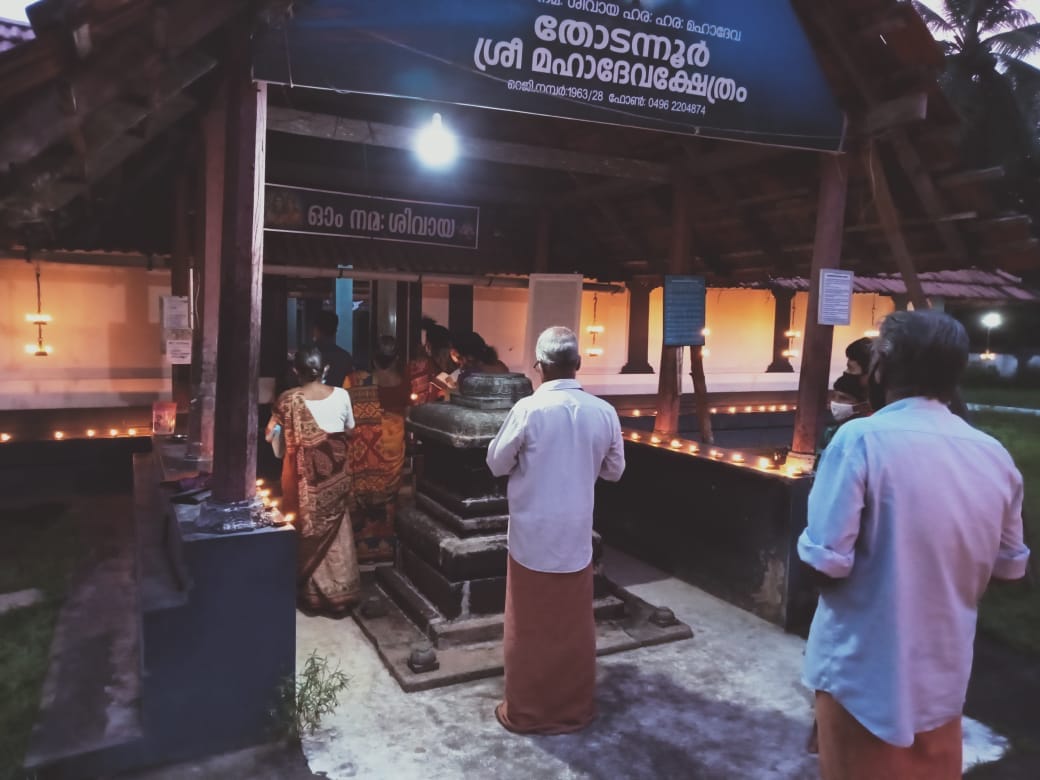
{"points": [[90, 143]]}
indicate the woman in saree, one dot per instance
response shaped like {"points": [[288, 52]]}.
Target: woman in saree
{"points": [[377, 450], [316, 421]]}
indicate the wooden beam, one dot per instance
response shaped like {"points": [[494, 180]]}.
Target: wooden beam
{"points": [[700, 394], [754, 223], [893, 113], [356, 131], [817, 339], [238, 351], [974, 176]]}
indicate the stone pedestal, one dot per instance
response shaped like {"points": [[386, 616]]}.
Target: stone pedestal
{"points": [[436, 615]]}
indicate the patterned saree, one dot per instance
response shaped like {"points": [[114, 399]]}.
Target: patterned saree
{"points": [[377, 454], [316, 486]]}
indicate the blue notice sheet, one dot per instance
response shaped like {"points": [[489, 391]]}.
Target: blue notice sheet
{"points": [[684, 304]]}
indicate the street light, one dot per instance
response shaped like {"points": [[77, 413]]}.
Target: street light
{"points": [[989, 322]]}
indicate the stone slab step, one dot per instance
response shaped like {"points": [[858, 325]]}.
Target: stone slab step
{"points": [[91, 694]]}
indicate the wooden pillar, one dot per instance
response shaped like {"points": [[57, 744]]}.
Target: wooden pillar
{"points": [[413, 347], [700, 394], [638, 327], [460, 308], [900, 301], [541, 244], [669, 383], [207, 270], [814, 377], [274, 327], [181, 263], [781, 324], [241, 267]]}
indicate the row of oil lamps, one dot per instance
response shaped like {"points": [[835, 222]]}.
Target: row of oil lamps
{"points": [[728, 410], [716, 453], [90, 433]]}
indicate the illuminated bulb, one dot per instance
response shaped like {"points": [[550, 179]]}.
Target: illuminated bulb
{"points": [[91, 433], [59, 435], [113, 431], [676, 443], [131, 431], [636, 437], [732, 410], [737, 457], [764, 463], [655, 439], [694, 449], [872, 333], [5, 437], [436, 145], [38, 318]]}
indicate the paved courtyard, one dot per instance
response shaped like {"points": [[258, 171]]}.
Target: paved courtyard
{"points": [[726, 704]]}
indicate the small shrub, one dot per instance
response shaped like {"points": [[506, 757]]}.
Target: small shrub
{"points": [[307, 698]]}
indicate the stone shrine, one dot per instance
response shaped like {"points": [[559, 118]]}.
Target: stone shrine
{"points": [[436, 615]]}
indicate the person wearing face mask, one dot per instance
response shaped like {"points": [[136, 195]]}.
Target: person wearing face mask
{"points": [[853, 391]]}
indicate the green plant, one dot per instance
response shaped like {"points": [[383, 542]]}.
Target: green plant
{"points": [[305, 699]]}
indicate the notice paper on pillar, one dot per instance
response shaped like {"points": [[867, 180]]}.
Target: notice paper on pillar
{"points": [[176, 312], [835, 297], [684, 306], [553, 299], [178, 352]]}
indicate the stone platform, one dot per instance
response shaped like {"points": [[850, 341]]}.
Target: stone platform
{"points": [[436, 616]]}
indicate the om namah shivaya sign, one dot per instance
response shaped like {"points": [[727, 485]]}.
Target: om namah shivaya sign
{"points": [[740, 69], [320, 212]]}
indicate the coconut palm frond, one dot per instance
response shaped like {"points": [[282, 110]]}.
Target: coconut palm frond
{"points": [[1001, 16], [935, 22], [1015, 43]]}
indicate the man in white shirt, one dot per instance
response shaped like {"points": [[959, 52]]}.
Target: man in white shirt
{"points": [[911, 514], [553, 446]]}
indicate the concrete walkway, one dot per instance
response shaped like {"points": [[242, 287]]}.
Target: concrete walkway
{"points": [[726, 704]]}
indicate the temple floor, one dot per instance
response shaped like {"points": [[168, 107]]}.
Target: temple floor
{"points": [[727, 703]]}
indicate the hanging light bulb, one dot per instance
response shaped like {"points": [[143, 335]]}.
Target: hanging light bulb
{"points": [[595, 329], [436, 145], [39, 319]]}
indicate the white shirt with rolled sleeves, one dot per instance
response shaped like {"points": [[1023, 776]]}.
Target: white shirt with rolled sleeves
{"points": [[553, 445], [913, 511]]}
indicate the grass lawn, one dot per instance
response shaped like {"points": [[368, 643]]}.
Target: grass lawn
{"points": [[40, 550], [1003, 395], [1012, 613]]}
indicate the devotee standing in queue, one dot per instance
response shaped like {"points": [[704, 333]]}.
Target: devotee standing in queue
{"points": [[339, 361], [314, 421], [911, 514], [553, 446]]}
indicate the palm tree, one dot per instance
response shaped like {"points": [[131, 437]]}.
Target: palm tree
{"points": [[987, 78]]}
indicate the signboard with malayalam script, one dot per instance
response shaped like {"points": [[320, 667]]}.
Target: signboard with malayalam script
{"points": [[684, 311], [320, 212], [835, 297], [738, 69]]}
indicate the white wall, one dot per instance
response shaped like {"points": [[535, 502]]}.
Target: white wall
{"points": [[740, 343], [105, 334]]}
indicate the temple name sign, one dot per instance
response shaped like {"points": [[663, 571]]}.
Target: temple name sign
{"points": [[325, 213], [737, 69]]}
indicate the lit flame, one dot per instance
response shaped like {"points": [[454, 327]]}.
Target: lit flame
{"points": [[715, 453], [713, 410], [761, 408], [783, 407], [655, 439], [636, 413], [91, 433], [59, 435], [706, 332], [737, 457], [764, 463], [131, 431], [594, 351], [793, 334], [113, 431], [259, 483], [415, 397], [597, 329], [748, 409], [636, 437], [772, 408], [38, 318], [732, 410], [872, 333], [676, 443], [705, 352], [5, 437], [290, 517], [694, 449], [790, 353]]}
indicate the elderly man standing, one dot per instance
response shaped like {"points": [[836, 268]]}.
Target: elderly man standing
{"points": [[553, 445], [911, 514]]}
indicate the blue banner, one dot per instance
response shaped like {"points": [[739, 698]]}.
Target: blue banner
{"points": [[735, 69], [685, 299]]}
